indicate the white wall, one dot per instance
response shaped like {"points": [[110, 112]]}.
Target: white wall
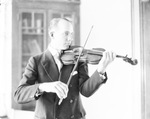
{"points": [[5, 57], [120, 97]]}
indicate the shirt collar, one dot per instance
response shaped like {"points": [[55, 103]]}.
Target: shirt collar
{"points": [[54, 51]]}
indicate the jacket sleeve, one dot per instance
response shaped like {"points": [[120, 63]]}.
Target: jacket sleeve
{"points": [[27, 88], [88, 85]]}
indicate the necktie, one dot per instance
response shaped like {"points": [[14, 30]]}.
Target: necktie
{"points": [[58, 61]]}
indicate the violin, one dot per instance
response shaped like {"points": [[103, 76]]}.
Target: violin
{"points": [[90, 56]]}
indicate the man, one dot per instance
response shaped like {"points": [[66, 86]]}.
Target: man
{"points": [[45, 78]]}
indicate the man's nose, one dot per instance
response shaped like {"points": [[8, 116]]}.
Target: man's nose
{"points": [[69, 38]]}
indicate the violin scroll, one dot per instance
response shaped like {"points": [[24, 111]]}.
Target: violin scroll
{"points": [[129, 60]]}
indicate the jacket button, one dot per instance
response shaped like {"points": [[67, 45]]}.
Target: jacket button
{"points": [[72, 116], [70, 85], [71, 101]]}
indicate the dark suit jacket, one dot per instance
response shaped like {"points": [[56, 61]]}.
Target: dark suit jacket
{"points": [[42, 68]]}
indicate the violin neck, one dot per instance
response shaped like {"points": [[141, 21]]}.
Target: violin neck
{"points": [[119, 56], [100, 53], [95, 52]]}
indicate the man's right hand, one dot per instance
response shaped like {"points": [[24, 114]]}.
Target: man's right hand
{"points": [[58, 87]]}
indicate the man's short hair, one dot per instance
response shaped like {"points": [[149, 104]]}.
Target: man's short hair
{"points": [[54, 22]]}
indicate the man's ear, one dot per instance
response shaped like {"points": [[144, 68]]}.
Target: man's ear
{"points": [[51, 34]]}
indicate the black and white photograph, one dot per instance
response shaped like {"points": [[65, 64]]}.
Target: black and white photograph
{"points": [[74, 59]]}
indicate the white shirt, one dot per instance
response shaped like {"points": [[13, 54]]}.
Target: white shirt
{"points": [[56, 54]]}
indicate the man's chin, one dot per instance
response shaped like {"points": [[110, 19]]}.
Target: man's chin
{"points": [[65, 47]]}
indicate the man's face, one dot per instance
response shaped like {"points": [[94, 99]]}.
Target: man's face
{"points": [[63, 35]]}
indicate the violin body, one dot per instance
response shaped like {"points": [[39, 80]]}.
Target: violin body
{"points": [[92, 56]]}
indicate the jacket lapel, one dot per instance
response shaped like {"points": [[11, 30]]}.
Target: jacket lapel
{"points": [[50, 66], [65, 73]]}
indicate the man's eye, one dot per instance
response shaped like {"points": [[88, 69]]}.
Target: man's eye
{"points": [[66, 33]]}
